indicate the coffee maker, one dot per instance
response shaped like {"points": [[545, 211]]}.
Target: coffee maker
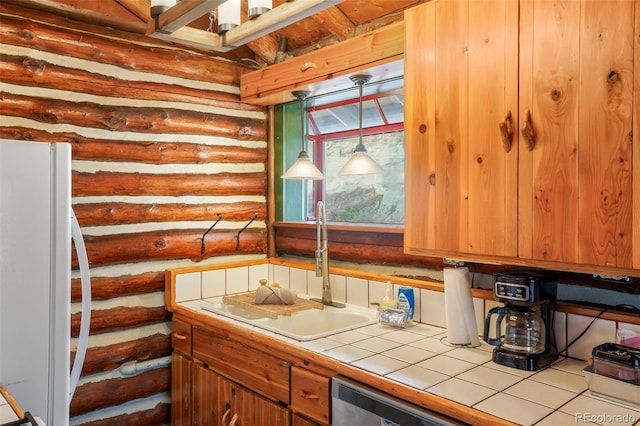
{"points": [[528, 342]]}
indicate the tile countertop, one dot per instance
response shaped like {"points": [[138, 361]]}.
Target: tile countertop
{"points": [[417, 357]]}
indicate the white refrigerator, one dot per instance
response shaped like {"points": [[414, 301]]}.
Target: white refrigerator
{"points": [[36, 229]]}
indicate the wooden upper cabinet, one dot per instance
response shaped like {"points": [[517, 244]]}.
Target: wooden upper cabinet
{"points": [[563, 195], [577, 84], [461, 83]]}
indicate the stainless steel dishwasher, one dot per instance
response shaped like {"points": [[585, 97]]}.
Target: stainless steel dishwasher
{"points": [[355, 404]]}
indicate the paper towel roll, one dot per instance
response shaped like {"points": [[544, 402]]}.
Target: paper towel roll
{"points": [[460, 315]]}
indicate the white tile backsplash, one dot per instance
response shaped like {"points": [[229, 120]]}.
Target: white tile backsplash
{"points": [[357, 292], [378, 290], [432, 308], [314, 285], [256, 273], [281, 275], [429, 304], [238, 280], [560, 329], [298, 280], [213, 283], [188, 286], [478, 308], [601, 331], [339, 288]]}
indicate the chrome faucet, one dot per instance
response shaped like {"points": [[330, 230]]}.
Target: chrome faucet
{"points": [[322, 256]]}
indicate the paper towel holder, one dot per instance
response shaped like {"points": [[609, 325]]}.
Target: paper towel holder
{"points": [[453, 262]]}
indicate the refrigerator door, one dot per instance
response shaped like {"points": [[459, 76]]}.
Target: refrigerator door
{"points": [[35, 276]]}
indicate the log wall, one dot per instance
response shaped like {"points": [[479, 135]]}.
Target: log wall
{"points": [[161, 144]]}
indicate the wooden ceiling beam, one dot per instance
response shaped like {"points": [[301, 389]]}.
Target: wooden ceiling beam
{"points": [[140, 8], [185, 12], [100, 13], [273, 85], [265, 48], [336, 23]]}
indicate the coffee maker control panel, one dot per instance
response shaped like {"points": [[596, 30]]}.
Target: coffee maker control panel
{"points": [[512, 291], [518, 288]]}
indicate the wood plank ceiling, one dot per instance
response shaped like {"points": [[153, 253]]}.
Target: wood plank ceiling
{"points": [[335, 24]]}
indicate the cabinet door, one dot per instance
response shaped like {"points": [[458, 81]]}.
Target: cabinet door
{"points": [[242, 407], [461, 76], [205, 396], [576, 198], [180, 390]]}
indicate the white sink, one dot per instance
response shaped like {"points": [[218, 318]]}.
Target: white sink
{"points": [[303, 325]]}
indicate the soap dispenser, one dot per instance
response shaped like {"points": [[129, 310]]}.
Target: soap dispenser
{"points": [[389, 301]]}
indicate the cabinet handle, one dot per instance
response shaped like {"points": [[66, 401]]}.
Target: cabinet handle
{"points": [[234, 420], [226, 415], [528, 132], [179, 336], [305, 395], [506, 130]]}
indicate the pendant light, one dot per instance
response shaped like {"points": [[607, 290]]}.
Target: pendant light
{"points": [[258, 7], [228, 15], [360, 162], [303, 168], [160, 6]]}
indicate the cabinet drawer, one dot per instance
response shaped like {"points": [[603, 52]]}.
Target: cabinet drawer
{"points": [[251, 368], [181, 336], [310, 394]]}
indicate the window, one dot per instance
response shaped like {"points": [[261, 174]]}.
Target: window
{"points": [[333, 133]]}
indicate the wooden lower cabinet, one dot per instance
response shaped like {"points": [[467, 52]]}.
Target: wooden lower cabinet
{"points": [[225, 383], [310, 394], [205, 392], [203, 397], [298, 420], [180, 390], [244, 408]]}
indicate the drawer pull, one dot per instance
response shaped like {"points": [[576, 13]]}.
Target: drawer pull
{"points": [[179, 336], [305, 395]]}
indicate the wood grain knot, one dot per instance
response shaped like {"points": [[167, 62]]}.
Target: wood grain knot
{"points": [[27, 35], [555, 94], [33, 66], [49, 117], [613, 77], [423, 128], [451, 145], [432, 179]]}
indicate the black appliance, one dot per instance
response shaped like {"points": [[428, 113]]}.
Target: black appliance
{"points": [[527, 342]]}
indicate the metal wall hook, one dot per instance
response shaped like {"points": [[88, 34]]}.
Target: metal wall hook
{"points": [[255, 215], [205, 234]]}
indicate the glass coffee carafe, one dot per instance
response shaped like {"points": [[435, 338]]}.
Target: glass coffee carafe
{"points": [[524, 329]]}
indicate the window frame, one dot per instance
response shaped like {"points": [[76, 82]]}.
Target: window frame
{"points": [[319, 140]]}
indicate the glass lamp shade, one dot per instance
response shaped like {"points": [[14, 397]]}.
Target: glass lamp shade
{"points": [[303, 168], [228, 15], [360, 163]]}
